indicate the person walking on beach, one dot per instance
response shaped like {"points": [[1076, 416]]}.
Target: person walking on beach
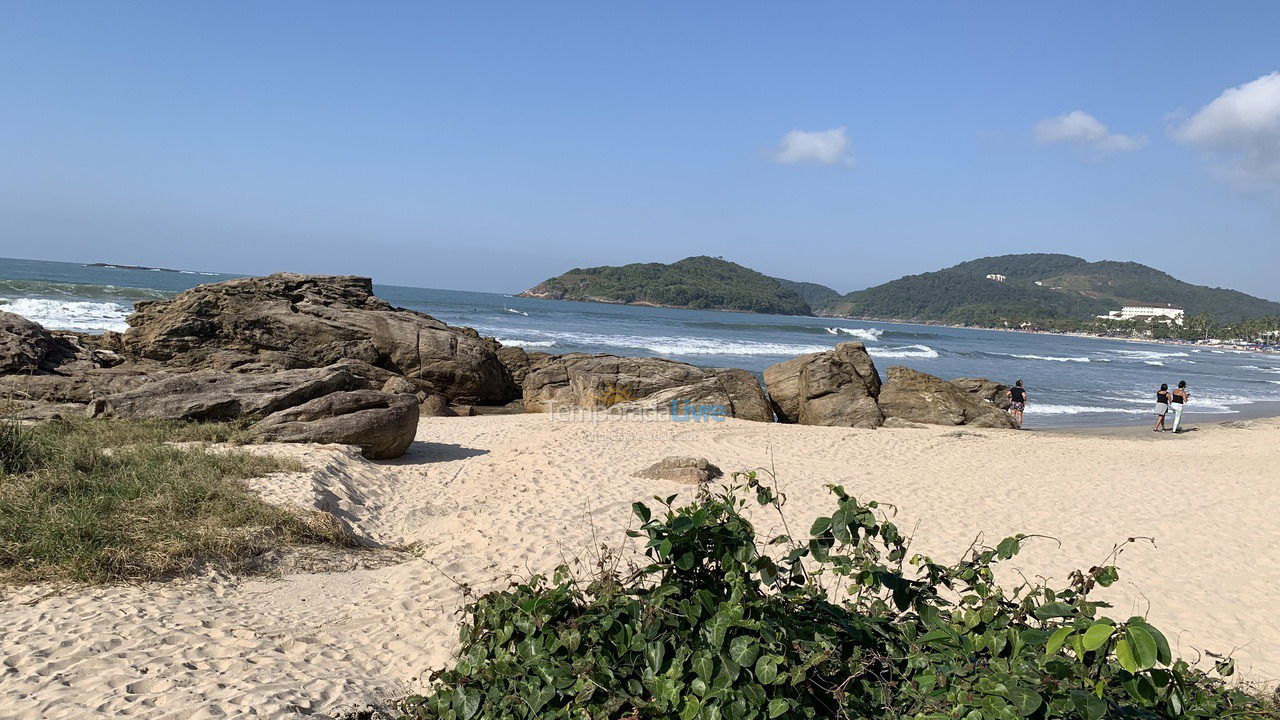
{"points": [[1162, 406], [1017, 401], [1180, 398]]}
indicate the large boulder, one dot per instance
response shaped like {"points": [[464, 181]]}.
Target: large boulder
{"points": [[578, 380], [837, 387], [985, 390], [919, 397], [214, 395], [287, 320], [26, 347], [381, 424]]}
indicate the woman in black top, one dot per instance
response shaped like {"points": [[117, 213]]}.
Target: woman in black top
{"points": [[1162, 405], [1017, 401], [1177, 400]]}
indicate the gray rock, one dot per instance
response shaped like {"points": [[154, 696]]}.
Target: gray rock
{"points": [[213, 395], [381, 424], [578, 380], [838, 388], [681, 469], [435, 405], [287, 320], [27, 348], [920, 397], [400, 386], [986, 390], [897, 423]]}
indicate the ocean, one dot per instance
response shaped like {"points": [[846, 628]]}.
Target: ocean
{"points": [[1071, 381]]}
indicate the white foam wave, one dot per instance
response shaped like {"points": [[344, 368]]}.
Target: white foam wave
{"points": [[70, 314], [1035, 409], [870, 335], [662, 345], [1054, 359], [1273, 370], [1148, 354], [1157, 363], [517, 342], [906, 351]]}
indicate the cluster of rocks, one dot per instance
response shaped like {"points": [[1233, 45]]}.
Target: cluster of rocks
{"points": [[322, 359]]}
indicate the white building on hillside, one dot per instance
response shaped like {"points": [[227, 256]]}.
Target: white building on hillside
{"points": [[997, 278], [1146, 312]]}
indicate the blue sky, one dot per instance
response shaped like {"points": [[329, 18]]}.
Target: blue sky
{"points": [[489, 145]]}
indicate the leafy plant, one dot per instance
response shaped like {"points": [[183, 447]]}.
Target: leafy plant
{"points": [[843, 623]]}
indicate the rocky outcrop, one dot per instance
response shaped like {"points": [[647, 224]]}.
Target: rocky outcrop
{"points": [[838, 387], [215, 395], [308, 321], [381, 424], [919, 397], [26, 347], [985, 390], [579, 380], [681, 469]]}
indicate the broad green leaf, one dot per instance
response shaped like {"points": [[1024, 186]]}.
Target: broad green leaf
{"points": [[1056, 640], [642, 511], [766, 670], [778, 707], [1124, 655], [743, 650], [1097, 635], [1024, 700], [1142, 645], [466, 702]]}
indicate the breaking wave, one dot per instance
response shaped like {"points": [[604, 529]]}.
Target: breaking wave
{"points": [[1053, 359], [70, 314], [908, 351]]}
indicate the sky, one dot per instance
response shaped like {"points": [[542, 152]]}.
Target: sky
{"points": [[488, 146]]}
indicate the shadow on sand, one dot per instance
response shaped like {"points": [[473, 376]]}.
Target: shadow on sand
{"points": [[422, 453]]}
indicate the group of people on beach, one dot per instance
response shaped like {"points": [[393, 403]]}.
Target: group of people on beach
{"points": [[1165, 401]]}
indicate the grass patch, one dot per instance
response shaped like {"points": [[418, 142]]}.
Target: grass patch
{"points": [[109, 500]]}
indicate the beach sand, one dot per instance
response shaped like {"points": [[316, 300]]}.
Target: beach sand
{"points": [[482, 499]]}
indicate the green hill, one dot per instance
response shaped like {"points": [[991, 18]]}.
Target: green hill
{"points": [[812, 293], [701, 283], [1040, 289]]}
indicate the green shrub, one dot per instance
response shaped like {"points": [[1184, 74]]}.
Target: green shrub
{"points": [[846, 623]]}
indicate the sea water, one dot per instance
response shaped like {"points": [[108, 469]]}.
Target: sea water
{"points": [[1071, 381]]}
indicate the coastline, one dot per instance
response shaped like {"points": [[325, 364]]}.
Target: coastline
{"points": [[338, 642]]}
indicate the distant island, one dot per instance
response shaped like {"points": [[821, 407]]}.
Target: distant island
{"points": [[1037, 291], [131, 267], [697, 283]]}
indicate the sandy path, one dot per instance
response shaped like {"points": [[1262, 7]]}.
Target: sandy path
{"points": [[484, 497]]}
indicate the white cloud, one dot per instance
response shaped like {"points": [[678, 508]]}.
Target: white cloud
{"points": [[1082, 128], [819, 147], [1242, 128]]}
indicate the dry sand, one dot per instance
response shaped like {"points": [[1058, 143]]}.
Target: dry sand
{"points": [[481, 498]]}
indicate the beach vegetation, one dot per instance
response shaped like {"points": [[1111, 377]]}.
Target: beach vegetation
{"points": [[112, 500], [845, 620]]}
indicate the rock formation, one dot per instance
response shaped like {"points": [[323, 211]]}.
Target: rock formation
{"points": [[985, 390], [579, 380], [289, 321], [382, 424], [837, 387], [920, 397], [216, 395], [681, 469]]}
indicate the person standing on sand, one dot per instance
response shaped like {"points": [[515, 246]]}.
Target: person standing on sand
{"points": [[1017, 401], [1180, 398], [1162, 405]]}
